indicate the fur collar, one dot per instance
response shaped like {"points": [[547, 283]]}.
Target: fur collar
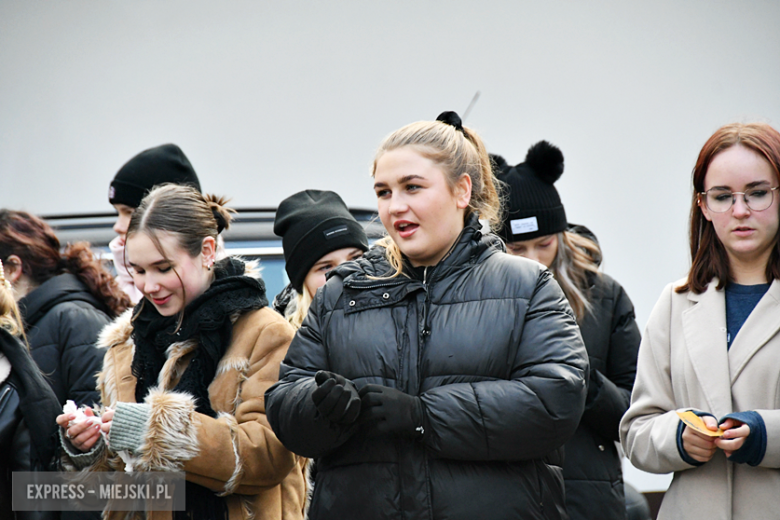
{"points": [[117, 332]]}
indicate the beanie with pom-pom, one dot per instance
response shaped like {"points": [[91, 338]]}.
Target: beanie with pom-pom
{"points": [[532, 206]]}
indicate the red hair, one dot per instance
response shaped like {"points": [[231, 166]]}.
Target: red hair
{"points": [[34, 242], [708, 256]]}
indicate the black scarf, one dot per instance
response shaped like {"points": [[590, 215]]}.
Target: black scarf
{"points": [[207, 319]]}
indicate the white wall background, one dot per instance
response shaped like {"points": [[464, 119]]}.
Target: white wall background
{"points": [[268, 98]]}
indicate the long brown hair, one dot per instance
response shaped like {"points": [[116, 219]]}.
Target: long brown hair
{"points": [[456, 153], [34, 242], [577, 260], [708, 256]]}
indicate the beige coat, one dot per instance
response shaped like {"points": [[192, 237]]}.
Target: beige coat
{"points": [[236, 453], [684, 364]]}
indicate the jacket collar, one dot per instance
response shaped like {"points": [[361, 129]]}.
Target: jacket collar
{"points": [[469, 247], [704, 329], [373, 271]]}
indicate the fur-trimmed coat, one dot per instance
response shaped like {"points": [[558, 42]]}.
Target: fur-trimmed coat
{"points": [[236, 453]]}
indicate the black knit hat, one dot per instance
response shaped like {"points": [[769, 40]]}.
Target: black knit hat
{"points": [[158, 165], [312, 223], [532, 207]]}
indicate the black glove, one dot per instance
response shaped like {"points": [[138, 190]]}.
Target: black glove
{"points": [[388, 411], [336, 398]]}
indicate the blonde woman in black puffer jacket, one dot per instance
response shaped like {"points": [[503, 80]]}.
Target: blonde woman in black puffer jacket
{"points": [[433, 377]]}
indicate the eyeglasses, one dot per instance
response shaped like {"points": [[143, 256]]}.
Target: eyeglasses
{"points": [[720, 200]]}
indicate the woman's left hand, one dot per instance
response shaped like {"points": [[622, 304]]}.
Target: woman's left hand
{"points": [[734, 438]]}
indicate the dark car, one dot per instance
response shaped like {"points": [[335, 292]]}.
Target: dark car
{"points": [[251, 236]]}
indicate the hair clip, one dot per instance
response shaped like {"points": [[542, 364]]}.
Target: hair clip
{"points": [[452, 119]]}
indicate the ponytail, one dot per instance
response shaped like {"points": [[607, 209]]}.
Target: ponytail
{"points": [[222, 214], [485, 198], [80, 261]]}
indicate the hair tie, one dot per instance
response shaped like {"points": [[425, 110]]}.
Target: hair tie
{"points": [[221, 224], [452, 119]]}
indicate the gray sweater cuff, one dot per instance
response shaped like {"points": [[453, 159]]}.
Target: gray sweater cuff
{"points": [[79, 459], [128, 426]]}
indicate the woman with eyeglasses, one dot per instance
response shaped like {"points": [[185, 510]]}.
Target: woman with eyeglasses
{"points": [[712, 343]]}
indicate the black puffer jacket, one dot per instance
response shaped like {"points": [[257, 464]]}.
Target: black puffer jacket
{"points": [[490, 345], [62, 321], [28, 409], [592, 470]]}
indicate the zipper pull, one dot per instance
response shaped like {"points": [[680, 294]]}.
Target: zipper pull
{"points": [[426, 331]]}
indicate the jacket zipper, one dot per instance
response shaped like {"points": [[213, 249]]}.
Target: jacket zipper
{"points": [[425, 331], [371, 286]]}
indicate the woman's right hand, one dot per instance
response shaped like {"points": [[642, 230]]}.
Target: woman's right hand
{"points": [[698, 446], [336, 398], [82, 436]]}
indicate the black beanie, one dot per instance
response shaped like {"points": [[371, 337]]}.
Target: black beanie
{"points": [[532, 207], [313, 223], [158, 165]]}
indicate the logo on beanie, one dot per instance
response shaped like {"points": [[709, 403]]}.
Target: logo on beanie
{"points": [[336, 231], [111, 192], [524, 225]]}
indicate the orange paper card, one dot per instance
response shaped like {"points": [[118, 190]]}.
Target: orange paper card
{"points": [[697, 423]]}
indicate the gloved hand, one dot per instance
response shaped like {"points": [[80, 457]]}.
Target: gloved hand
{"points": [[336, 398], [388, 411]]}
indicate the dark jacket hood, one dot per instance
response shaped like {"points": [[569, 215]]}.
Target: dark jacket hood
{"points": [[62, 288]]}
